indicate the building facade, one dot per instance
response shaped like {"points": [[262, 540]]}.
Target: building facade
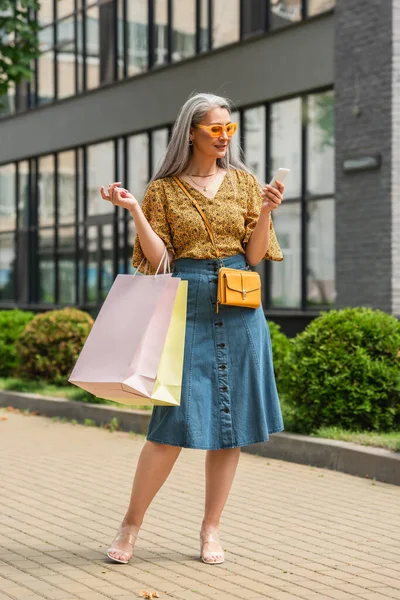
{"points": [[314, 88]]}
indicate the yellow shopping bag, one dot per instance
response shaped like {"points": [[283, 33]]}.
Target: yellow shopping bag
{"points": [[168, 385]]}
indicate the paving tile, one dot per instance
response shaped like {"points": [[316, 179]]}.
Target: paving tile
{"points": [[306, 533]]}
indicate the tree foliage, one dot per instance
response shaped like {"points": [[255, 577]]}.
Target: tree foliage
{"points": [[19, 43]]}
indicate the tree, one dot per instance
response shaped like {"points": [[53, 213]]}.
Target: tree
{"points": [[19, 43]]}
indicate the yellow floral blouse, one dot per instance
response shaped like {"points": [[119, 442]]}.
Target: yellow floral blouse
{"points": [[233, 217]]}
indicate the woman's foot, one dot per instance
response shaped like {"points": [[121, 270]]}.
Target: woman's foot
{"points": [[121, 550], [211, 551]]}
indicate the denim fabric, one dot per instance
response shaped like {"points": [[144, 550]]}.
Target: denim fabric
{"points": [[229, 396]]}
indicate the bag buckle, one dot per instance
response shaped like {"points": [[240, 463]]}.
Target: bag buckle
{"points": [[244, 294]]}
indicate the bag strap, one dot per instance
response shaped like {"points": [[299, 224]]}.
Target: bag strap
{"points": [[206, 221]]}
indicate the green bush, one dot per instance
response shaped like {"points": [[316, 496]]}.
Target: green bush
{"points": [[344, 370], [281, 345], [12, 323], [50, 344]]}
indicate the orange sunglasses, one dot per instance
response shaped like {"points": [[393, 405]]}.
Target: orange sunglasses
{"points": [[217, 130]]}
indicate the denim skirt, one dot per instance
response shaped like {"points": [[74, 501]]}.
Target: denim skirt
{"points": [[229, 396]]}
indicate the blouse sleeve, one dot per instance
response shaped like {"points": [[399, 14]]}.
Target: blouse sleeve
{"points": [[154, 209], [254, 202]]}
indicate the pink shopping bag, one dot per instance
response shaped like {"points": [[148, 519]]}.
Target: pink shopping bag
{"points": [[121, 355]]}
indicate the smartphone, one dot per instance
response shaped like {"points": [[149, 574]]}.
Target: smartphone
{"points": [[279, 176]]}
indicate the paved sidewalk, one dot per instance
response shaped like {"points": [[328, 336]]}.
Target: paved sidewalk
{"points": [[289, 531]]}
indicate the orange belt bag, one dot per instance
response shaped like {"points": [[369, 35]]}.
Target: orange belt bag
{"points": [[235, 287]]}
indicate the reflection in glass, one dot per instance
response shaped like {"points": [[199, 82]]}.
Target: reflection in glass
{"points": [[45, 14], [284, 12], [254, 135], [64, 8], [46, 204], [321, 252], [160, 50], [92, 266], [8, 216], [203, 25], [100, 159], [66, 187], [7, 266], [46, 78], [137, 34], [66, 239], [321, 144], [315, 7], [286, 143], [253, 17], [92, 48], [159, 143], [286, 275], [138, 164], [46, 240], [23, 194], [66, 281], [183, 29], [226, 27], [8, 102], [46, 280], [107, 273], [66, 58]]}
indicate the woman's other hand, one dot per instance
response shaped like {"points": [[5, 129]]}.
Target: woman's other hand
{"points": [[119, 196], [272, 197]]}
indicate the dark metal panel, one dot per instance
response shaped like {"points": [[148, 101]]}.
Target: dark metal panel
{"points": [[305, 51]]}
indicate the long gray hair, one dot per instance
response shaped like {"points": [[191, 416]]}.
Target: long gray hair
{"points": [[178, 154]]}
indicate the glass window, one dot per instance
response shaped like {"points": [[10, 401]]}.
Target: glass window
{"points": [[66, 187], [160, 32], [254, 134], [100, 171], [253, 17], [45, 14], [225, 22], [23, 194], [321, 252], [137, 36], [46, 78], [46, 204], [204, 26], [138, 164], [66, 57], [47, 280], [107, 271], [284, 12], [8, 213], [92, 48], [286, 143], [183, 29], [321, 144], [319, 6], [7, 265], [286, 275], [92, 265], [7, 102], [107, 36], [66, 281], [159, 143], [79, 43], [64, 8]]}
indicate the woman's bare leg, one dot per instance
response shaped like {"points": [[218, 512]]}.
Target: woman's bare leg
{"points": [[220, 471], [154, 465]]}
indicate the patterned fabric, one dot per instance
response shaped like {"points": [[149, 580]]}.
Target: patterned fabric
{"points": [[233, 214]]}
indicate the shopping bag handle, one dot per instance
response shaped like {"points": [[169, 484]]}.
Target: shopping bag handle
{"points": [[164, 258]]}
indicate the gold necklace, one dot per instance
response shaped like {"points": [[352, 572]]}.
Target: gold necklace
{"points": [[205, 188]]}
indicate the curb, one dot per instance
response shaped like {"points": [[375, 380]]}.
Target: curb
{"points": [[347, 457]]}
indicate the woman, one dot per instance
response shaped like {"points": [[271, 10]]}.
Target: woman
{"points": [[229, 397]]}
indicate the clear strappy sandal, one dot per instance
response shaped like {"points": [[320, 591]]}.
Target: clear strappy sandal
{"points": [[211, 557], [127, 534]]}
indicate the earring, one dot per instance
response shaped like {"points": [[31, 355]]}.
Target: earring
{"points": [[190, 142]]}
